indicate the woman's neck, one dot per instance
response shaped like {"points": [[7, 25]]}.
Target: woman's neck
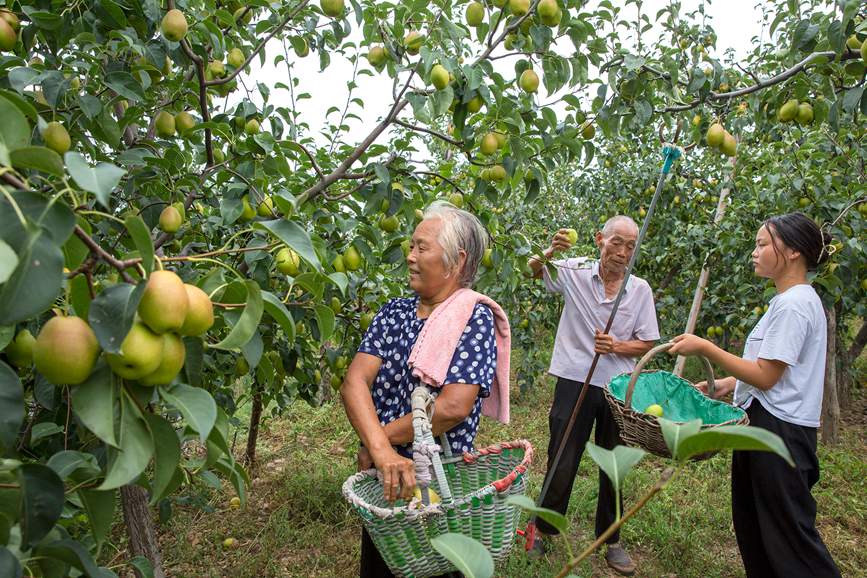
{"points": [[427, 303], [789, 279]]}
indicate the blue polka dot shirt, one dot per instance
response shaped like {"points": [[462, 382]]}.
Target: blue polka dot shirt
{"points": [[391, 337]]}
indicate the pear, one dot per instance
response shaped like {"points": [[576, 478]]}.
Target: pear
{"points": [[788, 111], [200, 312], [164, 304], [729, 146], [174, 25], [490, 144], [165, 124], [333, 8], [217, 68], [20, 349], [365, 320], [457, 199], [184, 122], [304, 49], [498, 173], [248, 211], [377, 56], [475, 14], [266, 207], [529, 81], [140, 353], [252, 126], [588, 131], [475, 104], [338, 264], [8, 38], [487, 261], [805, 113], [336, 305], [65, 350], [572, 235], [389, 224], [715, 135], [56, 138], [170, 219], [288, 261], [11, 19], [247, 15], [519, 7], [413, 42], [171, 362], [236, 57], [439, 76], [352, 259]]}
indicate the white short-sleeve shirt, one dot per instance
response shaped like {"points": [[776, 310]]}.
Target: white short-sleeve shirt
{"points": [[794, 331], [585, 309]]}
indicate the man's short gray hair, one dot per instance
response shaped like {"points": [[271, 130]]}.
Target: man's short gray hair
{"points": [[461, 231], [610, 224]]}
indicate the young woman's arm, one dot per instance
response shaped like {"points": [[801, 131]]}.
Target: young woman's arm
{"points": [[761, 373]]}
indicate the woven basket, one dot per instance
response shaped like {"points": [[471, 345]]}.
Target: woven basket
{"points": [[473, 490], [643, 430]]}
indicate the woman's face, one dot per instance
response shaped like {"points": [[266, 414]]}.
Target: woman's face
{"points": [[771, 256], [428, 275]]}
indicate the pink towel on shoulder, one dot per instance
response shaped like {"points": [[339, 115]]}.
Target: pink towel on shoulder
{"points": [[432, 353]]}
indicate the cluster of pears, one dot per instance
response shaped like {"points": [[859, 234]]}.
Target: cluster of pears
{"points": [[715, 331], [9, 26], [802, 112], [351, 260], [66, 349], [719, 138], [495, 173], [492, 142], [167, 124]]}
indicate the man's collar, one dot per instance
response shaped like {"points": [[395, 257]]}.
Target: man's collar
{"points": [[594, 272]]}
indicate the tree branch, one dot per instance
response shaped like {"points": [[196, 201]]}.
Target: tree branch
{"points": [[104, 255], [437, 134]]}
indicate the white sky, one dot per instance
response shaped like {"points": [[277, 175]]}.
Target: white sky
{"points": [[736, 22]]}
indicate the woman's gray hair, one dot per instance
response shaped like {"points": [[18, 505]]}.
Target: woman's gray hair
{"points": [[462, 231]]}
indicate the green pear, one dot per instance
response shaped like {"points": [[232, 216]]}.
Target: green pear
{"points": [[20, 349], [164, 304], [266, 207], [171, 362], [56, 138], [377, 56], [333, 8], [288, 261], [529, 81], [140, 353], [171, 219], [184, 122], [174, 25], [200, 312], [475, 13], [439, 76], [65, 350], [236, 58], [715, 135], [165, 124], [352, 259]]}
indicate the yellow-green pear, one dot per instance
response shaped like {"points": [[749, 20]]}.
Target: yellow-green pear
{"points": [[489, 144], [729, 146], [487, 261], [498, 173], [715, 135], [20, 349], [200, 312], [529, 81], [805, 113], [266, 207], [788, 111], [247, 15], [252, 126], [184, 122], [248, 212], [365, 320], [588, 131], [140, 353], [11, 19], [288, 261], [572, 235], [170, 219], [338, 264], [457, 199], [56, 138], [439, 76], [377, 56], [171, 362], [236, 57], [164, 304], [475, 13], [413, 42], [165, 124], [304, 49], [65, 350], [174, 25], [475, 104], [389, 224], [333, 8], [352, 259], [519, 7]]}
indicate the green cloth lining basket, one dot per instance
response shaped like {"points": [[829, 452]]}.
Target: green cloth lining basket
{"points": [[473, 490], [629, 395]]}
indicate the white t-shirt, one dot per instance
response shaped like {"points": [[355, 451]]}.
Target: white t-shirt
{"points": [[585, 309], [794, 331]]}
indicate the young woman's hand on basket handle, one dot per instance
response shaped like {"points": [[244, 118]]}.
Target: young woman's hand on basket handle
{"points": [[724, 386], [760, 373]]}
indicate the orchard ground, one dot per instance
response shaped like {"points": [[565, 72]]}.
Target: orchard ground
{"points": [[296, 522]]}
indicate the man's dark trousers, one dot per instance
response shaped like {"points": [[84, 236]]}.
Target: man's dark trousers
{"points": [[594, 408]]}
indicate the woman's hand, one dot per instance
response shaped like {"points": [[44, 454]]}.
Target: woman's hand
{"points": [[688, 344], [724, 387], [398, 474], [365, 462]]}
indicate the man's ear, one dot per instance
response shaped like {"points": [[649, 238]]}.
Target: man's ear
{"points": [[599, 239]]}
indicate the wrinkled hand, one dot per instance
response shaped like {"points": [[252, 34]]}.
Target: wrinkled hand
{"points": [[398, 474], [561, 241], [604, 342], [365, 461], [688, 344], [723, 388]]}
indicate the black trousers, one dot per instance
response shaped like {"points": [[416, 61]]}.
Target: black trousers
{"points": [[593, 409], [373, 566], [773, 511]]}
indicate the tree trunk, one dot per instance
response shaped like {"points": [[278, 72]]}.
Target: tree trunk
{"points": [[830, 402], [140, 528], [255, 417]]}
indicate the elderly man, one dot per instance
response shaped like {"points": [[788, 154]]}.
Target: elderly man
{"points": [[589, 289], [445, 252]]}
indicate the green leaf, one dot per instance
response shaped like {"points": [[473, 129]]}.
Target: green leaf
{"points": [[194, 361], [8, 261], [11, 407], [112, 313], [341, 280], [615, 463], [295, 237], [275, 308], [36, 282], [167, 455], [41, 502], [100, 507], [136, 448], [76, 466], [467, 555], [734, 437], [195, 404], [44, 430], [75, 555], [556, 519], [14, 130], [143, 566], [99, 180], [325, 321], [93, 403], [38, 158], [141, 236], [675, 432], [247, 324], [125, 85], [9, 564]]}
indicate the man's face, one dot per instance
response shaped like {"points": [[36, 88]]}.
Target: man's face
{"points": [[616, 249]]}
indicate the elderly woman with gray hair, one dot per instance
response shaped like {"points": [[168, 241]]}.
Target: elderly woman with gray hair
{"points": [[445, 252]]}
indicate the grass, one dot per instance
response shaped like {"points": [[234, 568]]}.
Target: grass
{"points": [[296, 522]]}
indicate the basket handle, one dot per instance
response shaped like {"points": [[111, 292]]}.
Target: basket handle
{"points": [[711, 384], [422, 413]]}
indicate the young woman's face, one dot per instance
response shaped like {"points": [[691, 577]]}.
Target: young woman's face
{"points": [[771, 256]]}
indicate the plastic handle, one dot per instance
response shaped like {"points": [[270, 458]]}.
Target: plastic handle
{"points": [[711, 384], [422, 412]]}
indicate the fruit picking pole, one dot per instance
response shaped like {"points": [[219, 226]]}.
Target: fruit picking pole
{"points": [[671, 152]]}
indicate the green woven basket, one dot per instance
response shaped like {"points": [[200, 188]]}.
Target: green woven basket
{"points": [[629, 395], [473, 489]]}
